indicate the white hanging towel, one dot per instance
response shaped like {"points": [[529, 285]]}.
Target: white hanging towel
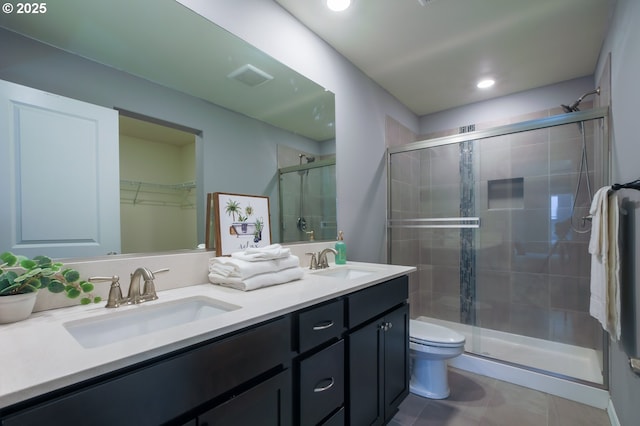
{"points": [[604, 304]]}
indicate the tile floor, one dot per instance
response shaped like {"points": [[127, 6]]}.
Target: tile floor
{"points": [[479, 400]]}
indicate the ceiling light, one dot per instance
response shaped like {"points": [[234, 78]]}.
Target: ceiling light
{"points": [[338, 5], [485, 84]]}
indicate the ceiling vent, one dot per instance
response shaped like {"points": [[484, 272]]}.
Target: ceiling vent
{"points": [[250, 75]]}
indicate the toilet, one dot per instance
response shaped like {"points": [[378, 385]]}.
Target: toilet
{"points": [[430, 347]]}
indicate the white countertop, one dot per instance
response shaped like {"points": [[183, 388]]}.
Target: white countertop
{"points": [[39, 355]]}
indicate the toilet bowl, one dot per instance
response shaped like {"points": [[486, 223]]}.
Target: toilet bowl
{"points": [[430, 347]]}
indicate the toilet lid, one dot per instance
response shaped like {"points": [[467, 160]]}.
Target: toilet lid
{"points": [[420, 331]]}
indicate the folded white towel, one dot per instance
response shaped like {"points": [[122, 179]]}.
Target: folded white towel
{"points": [[604, 304], [238, 268], [258, 281], [273, 251]]}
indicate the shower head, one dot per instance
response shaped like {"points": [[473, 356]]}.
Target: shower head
{"points": [[307, 157], [574, 106]]}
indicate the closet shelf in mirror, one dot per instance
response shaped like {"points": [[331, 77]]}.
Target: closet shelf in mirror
{"points": [[158, 194]]}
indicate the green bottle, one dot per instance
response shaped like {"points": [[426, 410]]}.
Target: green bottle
{"points": [[341, 248]]}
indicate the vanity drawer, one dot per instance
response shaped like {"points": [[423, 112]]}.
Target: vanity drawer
{"points": [[373, 301], [321, 384], [320, 324]]}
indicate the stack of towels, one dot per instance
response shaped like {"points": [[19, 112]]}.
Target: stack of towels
{"points": [[255, 268]]}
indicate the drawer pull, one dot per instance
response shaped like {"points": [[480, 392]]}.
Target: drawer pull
{"points": [[323, 325], [324, 388]]}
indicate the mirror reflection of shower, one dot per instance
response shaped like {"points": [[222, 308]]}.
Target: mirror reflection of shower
{"points": [[301, 223], [584, 225], [307, 195]]}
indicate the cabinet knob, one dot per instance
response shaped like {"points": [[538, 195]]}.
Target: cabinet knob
{"points": [[385, 326], [319, 388]]}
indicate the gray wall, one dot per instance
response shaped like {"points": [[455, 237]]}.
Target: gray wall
{"points": [[623, 43], [361, 109], [234, 154]]}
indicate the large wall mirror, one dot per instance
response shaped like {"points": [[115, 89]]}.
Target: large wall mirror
{"points": [[200, 111]]}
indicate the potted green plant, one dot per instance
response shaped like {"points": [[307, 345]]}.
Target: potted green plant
{"points": [[21, 278]]}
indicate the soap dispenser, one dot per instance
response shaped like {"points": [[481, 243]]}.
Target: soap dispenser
{"points": [[341, 248]]}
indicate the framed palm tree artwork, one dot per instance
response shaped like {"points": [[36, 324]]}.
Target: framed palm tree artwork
{"points": [[240, 222]]}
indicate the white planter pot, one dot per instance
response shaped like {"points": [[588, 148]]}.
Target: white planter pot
{"points": [[17, 307]]}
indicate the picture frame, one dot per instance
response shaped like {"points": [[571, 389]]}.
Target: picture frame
{"points": [[241, 222]]}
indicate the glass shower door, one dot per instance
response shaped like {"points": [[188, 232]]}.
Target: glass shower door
{"points": [[495, 228]]}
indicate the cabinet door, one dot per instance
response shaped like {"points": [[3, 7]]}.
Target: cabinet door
{"points": [[60, 171], [268, 403], [379, 368], [366, 375], [396, 359]]}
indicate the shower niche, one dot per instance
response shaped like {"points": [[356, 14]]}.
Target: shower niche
{"points": [[505, 193]]}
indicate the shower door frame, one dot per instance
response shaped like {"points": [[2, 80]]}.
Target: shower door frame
{"points": [[603, 152]]}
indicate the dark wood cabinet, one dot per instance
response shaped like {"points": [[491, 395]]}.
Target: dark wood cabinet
{"points": [[268, 404], [396, 360], [378, 355], [344, 361], [165, 389]]}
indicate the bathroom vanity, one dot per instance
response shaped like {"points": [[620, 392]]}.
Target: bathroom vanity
{"points": [[327, 350]]}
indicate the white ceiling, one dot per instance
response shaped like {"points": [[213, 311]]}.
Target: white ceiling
{"points": [[431, 57]]}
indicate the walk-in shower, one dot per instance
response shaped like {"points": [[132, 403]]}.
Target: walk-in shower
{"points": [[307, 199], [486, 217]]}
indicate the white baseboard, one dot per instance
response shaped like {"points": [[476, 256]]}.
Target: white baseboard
{"points": [[613, 416]]}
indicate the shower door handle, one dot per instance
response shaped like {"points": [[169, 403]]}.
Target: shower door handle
{"points": [[435, 222]]}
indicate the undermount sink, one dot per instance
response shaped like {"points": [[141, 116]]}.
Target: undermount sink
{"points": [[348, 272], [139, 320]]}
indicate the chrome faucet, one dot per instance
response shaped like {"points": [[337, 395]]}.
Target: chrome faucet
{"points": [[135, 296], [322, 258]]}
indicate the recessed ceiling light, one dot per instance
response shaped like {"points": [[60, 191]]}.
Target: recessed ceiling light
{"points": [[338, 5], [485, 84]]}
